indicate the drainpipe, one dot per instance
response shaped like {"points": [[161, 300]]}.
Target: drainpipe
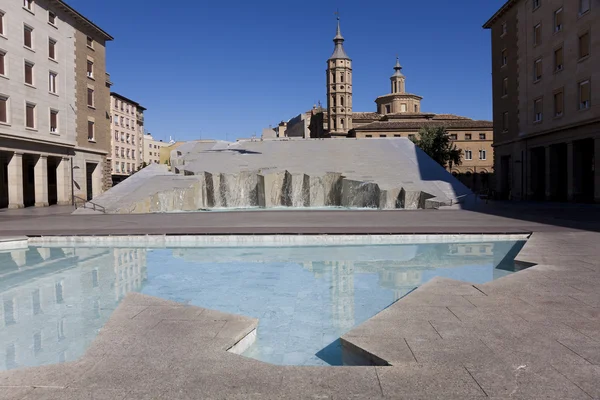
{"points": [[72, 184]]}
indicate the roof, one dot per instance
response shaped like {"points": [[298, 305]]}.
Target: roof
{"points": [[138, 105], [366, 115], [499, 13], [399, 95], [418, 124], [339, 53], [83, 19]]}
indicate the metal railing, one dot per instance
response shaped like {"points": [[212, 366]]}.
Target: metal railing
{"points": [[81, 202]]}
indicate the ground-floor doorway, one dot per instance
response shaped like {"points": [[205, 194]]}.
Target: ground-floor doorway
{"points": [[89, 179], [583, 170]]}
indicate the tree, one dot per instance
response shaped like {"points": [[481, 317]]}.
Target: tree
{"points": [[436, 143]]}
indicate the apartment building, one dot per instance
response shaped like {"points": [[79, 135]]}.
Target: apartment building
{"points": [[38, 101], [127, 131], [151, 146], [546, 92]]}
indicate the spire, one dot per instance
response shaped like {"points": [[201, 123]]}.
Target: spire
{"points": [[398, 68], [339, 52]]}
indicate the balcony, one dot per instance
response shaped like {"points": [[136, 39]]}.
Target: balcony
{"points": [[140, 117]]}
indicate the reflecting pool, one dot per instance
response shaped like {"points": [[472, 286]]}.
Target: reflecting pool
{"points": [[54, 300]]}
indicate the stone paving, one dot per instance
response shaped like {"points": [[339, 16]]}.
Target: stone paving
{"points": [[531, 335]]}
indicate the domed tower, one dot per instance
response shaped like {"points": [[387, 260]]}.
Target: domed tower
{"points": [[398, 101], [339, 88]]}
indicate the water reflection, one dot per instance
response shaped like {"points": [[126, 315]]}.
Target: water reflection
{"points": [[54, 300]]}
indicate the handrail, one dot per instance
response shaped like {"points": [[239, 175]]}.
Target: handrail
{"points": [[94, 205]]}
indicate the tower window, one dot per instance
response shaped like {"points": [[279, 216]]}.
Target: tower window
{"points": [[388, 109], [342, 77], [342, 101]]}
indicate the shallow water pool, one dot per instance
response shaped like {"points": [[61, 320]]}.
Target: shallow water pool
{"points": [[55, 299]]}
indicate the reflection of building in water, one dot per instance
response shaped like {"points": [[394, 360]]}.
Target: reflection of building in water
{"points": [[54, 300], [472, 249], [342, 293]]}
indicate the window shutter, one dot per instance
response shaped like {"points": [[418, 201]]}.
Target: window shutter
{"points": [[90, 130], [30, 116], [584, 45], [558, 106], [3, 111], [585, 92], [2, 70], [90, 98], [29, 74], [559, 18]]}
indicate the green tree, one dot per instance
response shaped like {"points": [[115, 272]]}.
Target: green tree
{"points": [[436, 143]]}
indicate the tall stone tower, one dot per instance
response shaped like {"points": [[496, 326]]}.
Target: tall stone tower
{"points": [[398, 79], [339, 88]]}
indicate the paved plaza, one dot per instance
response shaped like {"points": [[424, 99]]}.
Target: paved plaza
{"points": [[531, 335]]}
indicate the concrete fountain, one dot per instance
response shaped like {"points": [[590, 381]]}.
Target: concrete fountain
{"points": [[349, 173]]}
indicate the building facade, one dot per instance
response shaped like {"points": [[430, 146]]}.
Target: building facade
{"points": [[127, 131], [546, 92], [151, 152], [339, 88], [40, 82], [91, 164]]}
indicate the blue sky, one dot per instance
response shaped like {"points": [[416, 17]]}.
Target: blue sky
{"points": [[217, 69]]}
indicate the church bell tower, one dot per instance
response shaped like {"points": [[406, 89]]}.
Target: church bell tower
{"points": [[339, 88]]}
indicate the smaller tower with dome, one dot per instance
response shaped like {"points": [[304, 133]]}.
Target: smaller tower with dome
{"points": [[398, 101]]}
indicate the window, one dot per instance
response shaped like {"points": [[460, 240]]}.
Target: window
{"points": [[504, 57], [558, 59], [116, 136], [150, 145], [504, 29], [584, 6], [123, 137], [342, 77], [505, 121], [505, 87], [30, 115], [403, 107], [116, 120], [537, 70], [558, 104], [558, 20], [468, 155], [467, 136], [91, 131], [4, 109], [453, 136], [52, 76], [482, 136], [388, 109], [90, 69], [411, 137], [2, 65], [1, 23], [122, 152], [28, 4], [537, 34], [53, 121], [537, 110], [382, 135], [51, 18], [116, 166], [584, 95], [90, 97], [132, 139], [482, 154], [416, 108], [52, 49], [127, 123], [90, 42], [584, 45], [369, 135], [128, 136], [132, 153], [397, 135], [28, 73], [28, 37], [537, 4], [128, 152]]}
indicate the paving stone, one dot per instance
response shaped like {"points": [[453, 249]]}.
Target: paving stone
{"points": [[459, 351], [75, 394], [585, 376], [524, 381], [14, 392], [427, 382], [344, 382], [390, 350], [376, 328], [59, 375], [171, 312], [588, 328]]}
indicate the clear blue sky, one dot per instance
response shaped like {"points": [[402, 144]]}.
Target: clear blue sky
{"points": [[210, 68]]}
